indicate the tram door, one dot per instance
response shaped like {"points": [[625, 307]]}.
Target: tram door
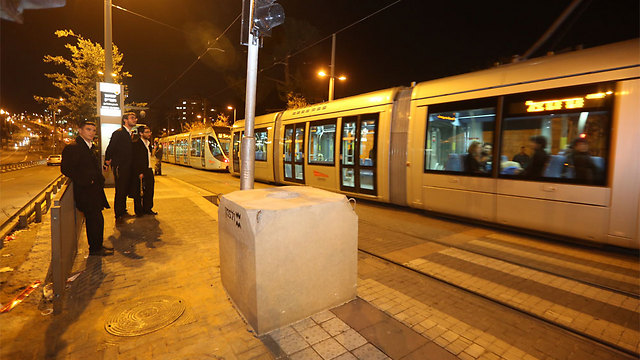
{"points": [[236, 151], [358, 154], [293, 149]]}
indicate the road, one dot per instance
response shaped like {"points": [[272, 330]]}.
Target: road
{"points": [[20, 186], [14, 156]]}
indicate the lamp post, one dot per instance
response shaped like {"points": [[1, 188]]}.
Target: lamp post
{"points": [[56, 110], [332, 78], [332, 75], [234, 112]]}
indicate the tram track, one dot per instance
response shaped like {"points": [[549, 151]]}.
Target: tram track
{"points": [[548, 272], [568, 329]]}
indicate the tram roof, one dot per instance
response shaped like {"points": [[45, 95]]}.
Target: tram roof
{"points": [[609, 62]]}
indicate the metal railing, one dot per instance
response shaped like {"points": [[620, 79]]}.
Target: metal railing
{"points": [[32, 211], [21, 165], [66, 227]]}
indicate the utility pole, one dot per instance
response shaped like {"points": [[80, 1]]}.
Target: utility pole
{"points": [[332, 77], [258, 18], [108, 48], [248, 146]]}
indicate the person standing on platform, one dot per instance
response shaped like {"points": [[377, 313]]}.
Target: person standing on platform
{"points": [[143, 173], [157, 152], [81, 163], [118, 156]]}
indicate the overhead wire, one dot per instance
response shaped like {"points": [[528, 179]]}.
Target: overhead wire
{"points": [[148, 18], [227, 29], [209, 45], [311, 45]]}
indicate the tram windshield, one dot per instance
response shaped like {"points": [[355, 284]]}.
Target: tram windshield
{"points": [[224, 139]]}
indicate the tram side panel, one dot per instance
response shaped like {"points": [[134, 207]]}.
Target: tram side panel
{"points": [[624, 219]]}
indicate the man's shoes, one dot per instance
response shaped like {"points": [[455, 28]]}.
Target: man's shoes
{"points": [[108, 248], [126, 215], [101, 252], [151, 212]]}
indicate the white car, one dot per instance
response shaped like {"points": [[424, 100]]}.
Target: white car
{"points": [[54, 160]]}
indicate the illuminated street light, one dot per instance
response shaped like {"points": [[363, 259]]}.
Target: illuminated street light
{"points": [[234, 112], [323, 73]]}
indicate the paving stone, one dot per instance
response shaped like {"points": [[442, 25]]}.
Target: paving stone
{"points": [[358, 314], [329, 349], [292, 343], [369, 352], [306, 354], [346, 356], [335, 326], [323, 316], [314, 334], [430, 351], [350, 339], [394, 338], [474, 350], [304, 324]]}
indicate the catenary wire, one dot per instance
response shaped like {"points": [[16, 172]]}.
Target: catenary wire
{"points": [[311, 45], [209, 45]]}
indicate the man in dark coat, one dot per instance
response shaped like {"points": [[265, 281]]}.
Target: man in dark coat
{"points": [[119, 155], [143, 173], [81, 163]]}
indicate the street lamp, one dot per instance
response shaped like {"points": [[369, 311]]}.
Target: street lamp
{"points": [[332, 78], [55, 141], [234, 112]]}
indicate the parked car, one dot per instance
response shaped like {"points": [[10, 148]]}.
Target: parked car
{"points": [[54, 160]]}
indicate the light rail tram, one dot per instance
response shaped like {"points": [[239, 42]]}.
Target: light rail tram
{"points": [[550, 145], [203, 149]]}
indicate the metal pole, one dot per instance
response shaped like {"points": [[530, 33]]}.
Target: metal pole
{"points": [[248, 147], [55, 131], [332, 76], [108, 50]]}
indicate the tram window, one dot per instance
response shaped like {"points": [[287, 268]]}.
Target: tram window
{"points": [[288, 139], [299, 149], [213, 146], [261, 144], [368, 143], [322, 140], [225, 142], [236, 144], [195, 147], [460, 137], [557, 140]]}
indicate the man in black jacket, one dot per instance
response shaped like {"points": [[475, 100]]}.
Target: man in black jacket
{"points": [[81, 163], [143, 173], [119, 156]]}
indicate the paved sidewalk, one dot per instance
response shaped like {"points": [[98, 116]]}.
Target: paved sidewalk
{"points": [[176, 254]]}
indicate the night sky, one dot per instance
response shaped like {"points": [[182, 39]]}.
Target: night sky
{"points": [[413, 40]]}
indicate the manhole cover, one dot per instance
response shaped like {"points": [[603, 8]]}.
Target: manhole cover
{"points": [[144, 316]]}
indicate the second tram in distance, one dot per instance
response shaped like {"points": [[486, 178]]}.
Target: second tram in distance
{"points": [[205, 149], [549, 144]]}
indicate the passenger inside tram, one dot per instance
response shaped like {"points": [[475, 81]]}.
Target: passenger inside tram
{"points": [[522, 158], [579, 164], [473, 159], [487, 155], [540, 159]]}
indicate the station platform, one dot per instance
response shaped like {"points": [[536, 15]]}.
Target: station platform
{"points": [[176, 254], [399, 313]]}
